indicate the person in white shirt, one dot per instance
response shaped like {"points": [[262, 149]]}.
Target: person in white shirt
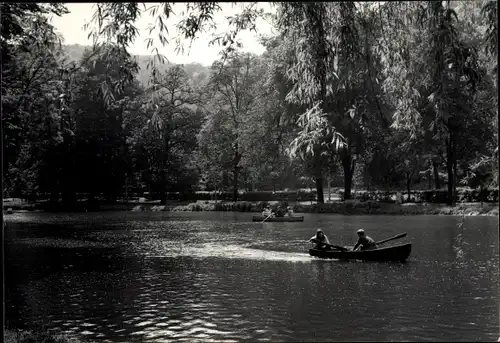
{"points": [[267, 211]]}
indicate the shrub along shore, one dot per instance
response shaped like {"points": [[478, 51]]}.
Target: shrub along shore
{"points": [[470, 202], [346, 208], [340, 207]]}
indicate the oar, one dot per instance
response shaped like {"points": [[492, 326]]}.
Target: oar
{"points": [[267, 217], [392, 238], [330, 245]]}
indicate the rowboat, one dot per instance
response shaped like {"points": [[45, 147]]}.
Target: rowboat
{"points": [[278, 219], [394, 253]]}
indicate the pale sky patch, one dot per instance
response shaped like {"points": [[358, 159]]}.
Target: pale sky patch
{"points": [[71, 28]]}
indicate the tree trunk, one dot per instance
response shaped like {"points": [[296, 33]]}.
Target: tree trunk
{"points": [[449, 169], [164, 186], [163, 195], [435, 169], [430, 175], [69, 197], [454, 175], [329, 189], [236, 161], [319, 190], [225, 181], [92, 201], [347, 185], [54, 197], [408, 185], [481, 194], [126, 189], [321, 54], [450, 161], [318, 177], [348, 164], [235, 184]]}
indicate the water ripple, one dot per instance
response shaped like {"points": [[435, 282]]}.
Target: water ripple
{"points": [[176, 277], [230, 251]]}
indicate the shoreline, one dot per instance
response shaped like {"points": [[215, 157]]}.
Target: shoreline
{"points": [[340, 207]]}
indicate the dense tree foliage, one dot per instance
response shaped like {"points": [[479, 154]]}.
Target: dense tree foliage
{"points": [[360, 95]]}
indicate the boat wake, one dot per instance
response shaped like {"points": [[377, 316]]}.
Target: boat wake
{"points": [[231, 251]]}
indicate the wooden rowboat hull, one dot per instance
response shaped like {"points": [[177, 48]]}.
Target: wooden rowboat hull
{"points": [[278, 219], [397, 253]]}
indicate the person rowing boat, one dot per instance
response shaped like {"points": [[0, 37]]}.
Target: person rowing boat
{"points": [[280, 212], [268, 212], [366, 243], [321, 240]]}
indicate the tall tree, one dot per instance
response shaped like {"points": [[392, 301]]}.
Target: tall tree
{"points": [[31, 91], [235, 85], [440, 97], [308, 25], [100, 138], [175, 121]]}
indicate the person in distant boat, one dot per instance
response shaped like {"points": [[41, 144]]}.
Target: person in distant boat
{"points": [[289, 211], [267, 211], [280, 212], [366, 243], [320, 239]]}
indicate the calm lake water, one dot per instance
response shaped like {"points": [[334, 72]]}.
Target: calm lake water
{"points": [[158, 276]]}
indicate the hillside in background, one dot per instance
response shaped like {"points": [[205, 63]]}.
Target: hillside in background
{"points": [[194, 70]]}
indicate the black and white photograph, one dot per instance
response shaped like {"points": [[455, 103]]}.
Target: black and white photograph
{"points": [[250, 172]]}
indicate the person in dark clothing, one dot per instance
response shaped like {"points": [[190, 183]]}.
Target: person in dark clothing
{"points": [[280, 212], [366, 243]]}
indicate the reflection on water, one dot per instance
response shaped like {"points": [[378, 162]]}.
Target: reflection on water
{"points": [[209, 277]]}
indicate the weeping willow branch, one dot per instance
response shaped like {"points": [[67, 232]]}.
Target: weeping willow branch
{"points": [[315, 135]]}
